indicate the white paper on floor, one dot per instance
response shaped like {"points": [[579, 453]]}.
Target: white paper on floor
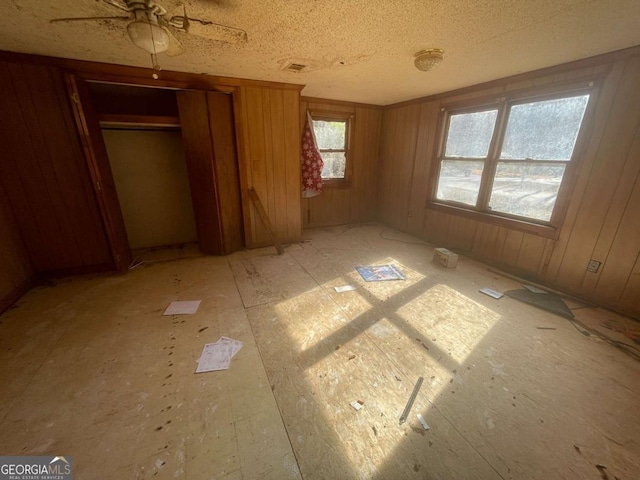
{"points": [[218, 355], [344, 288], [182, 308], [492, 293]]}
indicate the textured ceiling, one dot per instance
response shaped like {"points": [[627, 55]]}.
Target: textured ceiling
{"points": [[357, 50]]}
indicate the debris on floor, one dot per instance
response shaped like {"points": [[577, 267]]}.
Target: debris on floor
{"points": [[344, 288], [412, 398], [632, 334], [423, 422], [218, 355], [356, 405], [380, 273], [546, 301], [182, 308], [445, 257], [533, 289], [546, 328], [492, 293]]}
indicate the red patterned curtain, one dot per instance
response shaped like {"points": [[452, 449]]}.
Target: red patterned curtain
{"points": [[311, 162]]}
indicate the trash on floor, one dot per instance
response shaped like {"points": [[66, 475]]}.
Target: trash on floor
{"points": [[533, 289], [423, 422], [546, 301], [546, 328], [445, 257], [356, 405], [182, 308], [380, 273], [344, 288], [632, 334], [218, 355], [412, 399], [492, 293]]}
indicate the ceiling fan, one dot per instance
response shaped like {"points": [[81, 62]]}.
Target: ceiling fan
{"points": [[150, 28]]}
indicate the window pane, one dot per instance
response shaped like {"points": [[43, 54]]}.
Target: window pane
{"points": [[334, 164], [330, 135], [526, 190], [470, 134], [544, 130], [460, 181]]}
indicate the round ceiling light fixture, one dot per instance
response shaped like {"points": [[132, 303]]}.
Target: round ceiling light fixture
{"points": [[428, 59]]}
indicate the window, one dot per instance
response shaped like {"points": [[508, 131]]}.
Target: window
{"points": [[510, 159], [332, 135]]}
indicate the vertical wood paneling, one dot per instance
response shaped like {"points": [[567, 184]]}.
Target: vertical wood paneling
{"points": [[625, 249], [400, 132], [291, 140], [269, 162], [603, 110], [422, 167], [530, 253], [44, 173], [485, 244], [624, 200], [210, 151], [363, 202], [631, 291], [199, 154], [607, 169], [227, 177], [357, 202], [278, 159], [99, 168], [602, 220], [16, 271]]}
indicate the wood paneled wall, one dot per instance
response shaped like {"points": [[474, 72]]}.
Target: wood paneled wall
{"points": [[603, 219], [16, 272], [357, 202], [267, 129], [210, 150], [44, 174]]}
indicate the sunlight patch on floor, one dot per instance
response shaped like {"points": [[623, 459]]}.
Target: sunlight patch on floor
{"points": [[450, 320]]}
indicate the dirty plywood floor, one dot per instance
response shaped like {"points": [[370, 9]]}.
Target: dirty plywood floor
{"points": [[91, 369]]}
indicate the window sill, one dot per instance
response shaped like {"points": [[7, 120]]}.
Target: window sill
{"points": [[336, 184], [547, 231]]}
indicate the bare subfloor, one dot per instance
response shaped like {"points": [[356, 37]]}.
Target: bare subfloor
{"points": [[91, 369]]}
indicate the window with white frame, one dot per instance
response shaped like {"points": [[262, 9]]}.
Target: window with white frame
{"points": [[510, 158], [332, 136]]}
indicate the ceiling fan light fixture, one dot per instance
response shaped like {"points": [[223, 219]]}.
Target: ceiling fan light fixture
{"points": [[149, 37], [428, 59]]}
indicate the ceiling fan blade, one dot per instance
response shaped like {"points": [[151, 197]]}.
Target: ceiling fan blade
{"points": [[210, 30], [113, 3], [73, 19], [175, 47]]}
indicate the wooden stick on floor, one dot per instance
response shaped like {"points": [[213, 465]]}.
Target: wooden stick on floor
{"points": [[265, 219]]}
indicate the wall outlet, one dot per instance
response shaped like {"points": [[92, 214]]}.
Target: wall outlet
{"points": [[593, 266]]}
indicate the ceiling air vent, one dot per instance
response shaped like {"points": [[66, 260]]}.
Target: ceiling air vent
{"points": [[295, 67]]}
